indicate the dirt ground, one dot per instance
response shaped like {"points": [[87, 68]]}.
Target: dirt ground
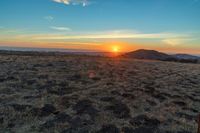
{"points": [[82, 94]]}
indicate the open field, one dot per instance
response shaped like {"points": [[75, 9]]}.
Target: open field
{"points": [[82, 94]]}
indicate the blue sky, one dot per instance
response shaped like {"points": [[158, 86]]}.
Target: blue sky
{"points": [[163, 24]]}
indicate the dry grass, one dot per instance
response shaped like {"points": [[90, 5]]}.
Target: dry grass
{"points": [[72, 94]]}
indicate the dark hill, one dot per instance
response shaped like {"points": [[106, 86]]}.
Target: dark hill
{"points": [[148, 54]]}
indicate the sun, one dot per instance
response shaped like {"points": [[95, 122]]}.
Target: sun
{"points": [[115, 49]]}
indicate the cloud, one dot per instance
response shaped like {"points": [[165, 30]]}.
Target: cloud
{"points": [[73, 2], [67, 2], [111, 35], [67, 34], [49, 18], [60, 28], [175, 41], [4, 30]]}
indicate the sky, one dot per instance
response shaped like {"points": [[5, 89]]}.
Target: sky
{"points": [[102, 25]]}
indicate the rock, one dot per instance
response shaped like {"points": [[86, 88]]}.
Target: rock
{"points": [[31, 81], [77, 123], [160, 97], [75, 77], [64, 101], [109, 129], [127, 130], [11, 125], [180, 103], [190, 109], [47, 125], [115, 92], [35, 111], [31, 97], [184, 132], [75, 130], [144, 130], [96, 78], [1, 120], [2, 79], [107, 99], [119, 109], [186, 116], [128, 95], [143, 120], [152, 103], [10, 78], [85, 107], [20, 108], [47, 110], [62, 117], [59, 91], [109, 83], [149, 89]]}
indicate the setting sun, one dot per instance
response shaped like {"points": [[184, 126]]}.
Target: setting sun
{"points": [[115, 49]]}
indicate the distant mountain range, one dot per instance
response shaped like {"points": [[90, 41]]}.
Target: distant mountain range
{"points": [[185, 56], [155, 55]]}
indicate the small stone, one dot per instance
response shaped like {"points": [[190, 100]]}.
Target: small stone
{"points": [[109, 129], [47, 110]]}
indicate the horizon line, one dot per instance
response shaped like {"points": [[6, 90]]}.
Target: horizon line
{"points": [[68, 50]]}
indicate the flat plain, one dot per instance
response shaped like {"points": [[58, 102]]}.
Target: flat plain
{"points": [[83, 94]]}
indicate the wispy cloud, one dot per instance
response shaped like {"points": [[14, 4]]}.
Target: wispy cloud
{"points": [[168, 38], [73, 2], [112, 36], [176, 41], [49, 18], [4, 30], [60, 28]]}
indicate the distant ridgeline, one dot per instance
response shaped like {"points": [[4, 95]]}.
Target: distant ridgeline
{"points": [[138, 54], [53, 53], [155, 55]]}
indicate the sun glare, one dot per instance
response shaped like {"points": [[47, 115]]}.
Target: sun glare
{"points": [[115, 49]]}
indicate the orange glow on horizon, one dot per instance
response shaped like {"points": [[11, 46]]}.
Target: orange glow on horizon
{"points": [[108, 46], [117, 47]]}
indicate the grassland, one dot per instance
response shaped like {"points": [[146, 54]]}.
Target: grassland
{"points": [[82, 94]]}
